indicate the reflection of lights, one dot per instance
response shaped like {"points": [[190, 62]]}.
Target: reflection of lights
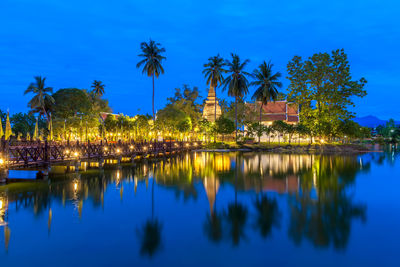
{"points": [[1, 203], [1, 161], [118, 175], [76, 186]]}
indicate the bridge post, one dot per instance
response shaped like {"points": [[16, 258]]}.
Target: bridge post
{"points": [[101, 163], [3, 175], [77, 162]]}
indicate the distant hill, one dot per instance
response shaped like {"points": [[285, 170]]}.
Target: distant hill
{"points": [[371, 121]]}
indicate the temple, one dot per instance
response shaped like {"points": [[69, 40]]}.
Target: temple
{"points": [[210, 110], [275, 111]]}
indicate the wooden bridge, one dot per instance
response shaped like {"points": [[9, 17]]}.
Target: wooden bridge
{"points": [[25, 153]]}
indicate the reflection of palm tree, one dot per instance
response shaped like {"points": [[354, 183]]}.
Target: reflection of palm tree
{"points": [[150, 234], [267, 214], [236, 215], [213, 227]]}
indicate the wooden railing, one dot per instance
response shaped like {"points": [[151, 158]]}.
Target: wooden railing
{"points": [[25, 153]]}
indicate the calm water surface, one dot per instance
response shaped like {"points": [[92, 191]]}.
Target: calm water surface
{"points": [[236, 209]]}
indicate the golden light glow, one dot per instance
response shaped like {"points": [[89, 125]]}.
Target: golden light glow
{"points": [[105, 148], [76, 154], [322, 141], [144, 148], [67, 151], [1, 161], [118, 150], [75, 186], [131, 147], [1, 203]]}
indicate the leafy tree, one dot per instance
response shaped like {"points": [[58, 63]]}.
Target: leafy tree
{"points": [[169, 118], [213, 71], [71, 102], [236, 83], [98, 88], [187, 101], [42, 97], [323, 87], [151, 62], [281, 127], [24, 123], [281, 97], [224, 126], [110, 123], [267, 84]]}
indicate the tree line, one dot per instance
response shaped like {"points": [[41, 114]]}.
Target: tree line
{"points": [[322, 87]]}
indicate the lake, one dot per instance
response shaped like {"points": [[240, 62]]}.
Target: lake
{"points": [[197, 209]]}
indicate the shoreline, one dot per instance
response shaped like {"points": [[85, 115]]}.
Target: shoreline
{"points": [[298, 149]]}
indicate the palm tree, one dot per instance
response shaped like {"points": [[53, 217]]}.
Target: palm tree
{"points": [[42, 98], [213, 71], [267, 85], [152, 58], [236, 82], [98, 88]]}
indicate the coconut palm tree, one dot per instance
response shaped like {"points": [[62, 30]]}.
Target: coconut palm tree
{"points": [[236, 82], [152, 59], [213, 71], [267, 84], [42, 98], [98, 88]]}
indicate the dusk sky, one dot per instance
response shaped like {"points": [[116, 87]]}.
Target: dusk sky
{"points": [[74, 42]]}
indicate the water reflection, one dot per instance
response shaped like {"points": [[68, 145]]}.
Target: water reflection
{"points": [[317, 188]]}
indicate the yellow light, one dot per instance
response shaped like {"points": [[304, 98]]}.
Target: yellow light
{"points": [[1, 204], [195, 144], [322, 141], [118, 150], [1, 161], [187, 144], [67, 151], [75, 186], [144, 148], [76, 154], [131, 147], [105, 148]]}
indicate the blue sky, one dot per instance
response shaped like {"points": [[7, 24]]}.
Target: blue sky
{"points": [[73, 42]]}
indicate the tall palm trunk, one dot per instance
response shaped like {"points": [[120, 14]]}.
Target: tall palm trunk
{"points": [[45, 114], [154, 118], [259, 134], [236, 119]]}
